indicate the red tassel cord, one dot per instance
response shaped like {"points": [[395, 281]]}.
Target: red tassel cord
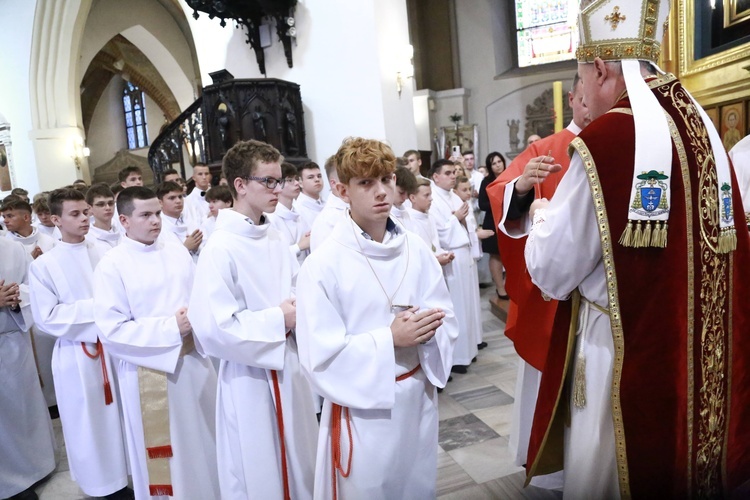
{"points": [[99, 353]]}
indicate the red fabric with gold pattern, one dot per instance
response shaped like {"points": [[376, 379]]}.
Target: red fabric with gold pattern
{"points": [[530, 317], [685, 411]]}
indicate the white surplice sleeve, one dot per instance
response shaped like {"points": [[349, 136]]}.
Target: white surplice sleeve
{"points": [[154, 342], [223, 326], [352, 370], [74, 322], [523, 225], [564, 248], [451, 233], [436, 356]]}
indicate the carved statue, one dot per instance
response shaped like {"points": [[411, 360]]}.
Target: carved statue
{"points": [[513, 134], [259, 125], [222, 121], [291, 132]]}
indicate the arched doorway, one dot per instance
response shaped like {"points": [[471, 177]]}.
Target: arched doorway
{"points": [[66, 37]]}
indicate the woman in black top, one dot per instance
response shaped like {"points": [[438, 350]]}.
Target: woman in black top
{"points": [[495, 165]]}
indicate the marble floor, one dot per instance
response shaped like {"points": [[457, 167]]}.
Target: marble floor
{"points": [[475, 415], [475, 409]]}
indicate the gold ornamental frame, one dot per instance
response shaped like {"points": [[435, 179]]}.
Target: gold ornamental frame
{"points": [[686, 35], [731, 16]]}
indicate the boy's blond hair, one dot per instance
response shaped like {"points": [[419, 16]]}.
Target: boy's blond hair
{"points": [[364, 158]]}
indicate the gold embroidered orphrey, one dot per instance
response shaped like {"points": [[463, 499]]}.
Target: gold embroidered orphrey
{"points": [[714, 341], [615, 18]]}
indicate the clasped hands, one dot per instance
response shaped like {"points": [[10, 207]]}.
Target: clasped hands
{"points": [[413, 327], [10, 294]]}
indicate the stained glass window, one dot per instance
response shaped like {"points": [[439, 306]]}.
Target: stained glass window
{"points": [[546, 31], [135, 116]]}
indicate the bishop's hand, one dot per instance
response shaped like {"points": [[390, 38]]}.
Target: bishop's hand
{"points": [[413, 327], [535, 172]]}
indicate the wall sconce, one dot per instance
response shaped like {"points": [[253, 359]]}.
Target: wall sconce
{"points": [[78, 151], [406, 66]]}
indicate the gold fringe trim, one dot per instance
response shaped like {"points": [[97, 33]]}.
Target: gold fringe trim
{"points": [[646, 241], [579, 381], [638, 236], [644, 234], [626, 239], [656, 235], [727, 240]]}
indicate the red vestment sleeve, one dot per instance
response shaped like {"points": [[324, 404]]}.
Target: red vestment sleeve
{"points": [[530, 317]]}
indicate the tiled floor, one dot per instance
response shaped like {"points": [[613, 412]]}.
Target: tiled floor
{"points": [[474, 461], [475, 415]]}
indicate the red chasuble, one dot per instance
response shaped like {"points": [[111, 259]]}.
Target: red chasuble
{"points": [[680, 322], [530, 317]]}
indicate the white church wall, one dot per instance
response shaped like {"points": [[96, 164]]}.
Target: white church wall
{"points": [[392, 27], [341, 62], [15, 103], [494, 102]]}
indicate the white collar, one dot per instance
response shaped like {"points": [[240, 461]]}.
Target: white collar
{"points": [[572, 127]]}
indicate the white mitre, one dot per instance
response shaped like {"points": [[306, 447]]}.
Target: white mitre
{"points": [[631, 31]]}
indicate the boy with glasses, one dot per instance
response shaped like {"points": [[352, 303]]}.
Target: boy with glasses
{"points": [[102, 202], [243, 312]]}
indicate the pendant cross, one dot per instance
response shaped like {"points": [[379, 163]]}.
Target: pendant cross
{"points": [[615, 18]]}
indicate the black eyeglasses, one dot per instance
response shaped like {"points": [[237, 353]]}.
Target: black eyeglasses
{"points": [[269, 182]]}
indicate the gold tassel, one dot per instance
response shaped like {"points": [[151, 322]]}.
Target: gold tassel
{"points": [[638, 236], [727, 240], [626, 239], [656, 235], [646, 242], [579, 381], [664, 235]]}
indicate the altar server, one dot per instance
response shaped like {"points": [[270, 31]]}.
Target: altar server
{"points": [[310, 203], [27, 452], [61, 283], [44, 222], [196, 204], [168, 391], [243, 312], [376, 334], [285, 218], [450, 215], [334, 209], [177, 223], [17, 217], [218, 198], [422, 222], [102, 202], [406, 184]]}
